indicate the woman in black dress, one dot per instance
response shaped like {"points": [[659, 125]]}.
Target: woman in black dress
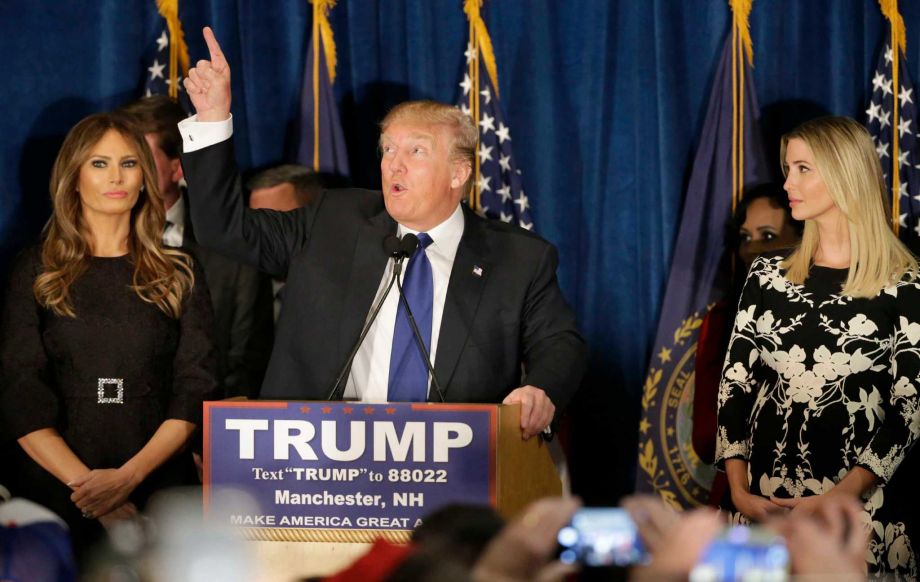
{"points": [[819, 389], [105, 352]]}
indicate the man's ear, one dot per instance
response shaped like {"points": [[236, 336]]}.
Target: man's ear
{"points": [[175, 171], [460, 174]]}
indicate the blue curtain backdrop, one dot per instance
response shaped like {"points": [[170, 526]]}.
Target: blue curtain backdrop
{"points": [[605, 100]]}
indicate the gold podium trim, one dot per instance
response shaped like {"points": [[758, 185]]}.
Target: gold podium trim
{"points": [[363, 536]]}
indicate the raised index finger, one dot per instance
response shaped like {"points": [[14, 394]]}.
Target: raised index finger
{"points": [[218, 61]]}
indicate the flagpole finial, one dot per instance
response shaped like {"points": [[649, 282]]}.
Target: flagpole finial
{"points": [[742, 12], [898, 29]]}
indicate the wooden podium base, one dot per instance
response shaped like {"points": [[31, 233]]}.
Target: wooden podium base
{"points": [[289, 561]]}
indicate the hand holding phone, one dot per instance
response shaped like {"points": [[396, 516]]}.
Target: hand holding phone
{"points": [[600, 537]]}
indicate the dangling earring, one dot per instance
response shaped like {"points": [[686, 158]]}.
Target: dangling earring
{"points": [[143, 187]]}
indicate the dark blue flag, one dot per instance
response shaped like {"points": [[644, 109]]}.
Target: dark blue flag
{"points": [[162, 71], [668, 464], [881, 124], [499, 187], [321, 143]]}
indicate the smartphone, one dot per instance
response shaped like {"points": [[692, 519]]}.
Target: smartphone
{"points": [[745, 553], [601, 537]]}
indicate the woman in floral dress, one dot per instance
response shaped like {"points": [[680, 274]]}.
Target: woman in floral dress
{"points": [[819, 390]]}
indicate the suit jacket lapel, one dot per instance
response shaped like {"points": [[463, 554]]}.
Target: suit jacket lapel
{"points": [[367, 266], [467, 279]]}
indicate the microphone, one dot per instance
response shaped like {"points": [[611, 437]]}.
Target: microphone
{"points": [[393, 247], [409, 244]]}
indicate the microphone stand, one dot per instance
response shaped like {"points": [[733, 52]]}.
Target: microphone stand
{"points": [[398, 257]]}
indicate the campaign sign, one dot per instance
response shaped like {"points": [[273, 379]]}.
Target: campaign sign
{"points": [[348, 465]]}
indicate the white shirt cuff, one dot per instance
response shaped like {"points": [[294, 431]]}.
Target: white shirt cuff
{"points": [[197, 135]]}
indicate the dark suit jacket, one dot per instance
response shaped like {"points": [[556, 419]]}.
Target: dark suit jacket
{"points": [[243, 342], [506, 314]]}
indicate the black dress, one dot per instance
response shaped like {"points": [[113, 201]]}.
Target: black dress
{"points": [[105, 379], [816, 383]]}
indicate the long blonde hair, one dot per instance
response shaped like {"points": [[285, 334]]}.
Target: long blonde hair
{"points": [[847, 161], [162, 276]]}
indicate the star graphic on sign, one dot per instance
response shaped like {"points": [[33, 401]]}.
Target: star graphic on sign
{"points": [[905, 97], [903, 127], [882, 150], [466, 84], [178, 81], [502, 133], [506, 217], [873, 112], [305, 409], [470, 53], [889, 55], [326, 409], [347, 410], [664, 355], [885, 118], [487, 123], [368, 410], [877, 81], [487, 94], [644, 425], [522, 202], [483, 211], [902, 158], [886, 87], [526, 225], [391, 410], [485, 153], [465, 109], [505, 162], [902, 221], [156, 70], [483, 183], [505, 192]]}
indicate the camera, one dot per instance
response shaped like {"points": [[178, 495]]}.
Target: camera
{"points": [[744, 552], [601, 537]]}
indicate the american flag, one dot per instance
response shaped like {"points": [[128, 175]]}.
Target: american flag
{"points": [[157, 75], [500, 185], [880, 123]]}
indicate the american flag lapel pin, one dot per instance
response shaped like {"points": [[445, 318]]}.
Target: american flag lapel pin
{"points": [[477, 270]]}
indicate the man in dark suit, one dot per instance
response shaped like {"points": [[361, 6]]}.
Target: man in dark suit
{"points": [[484, 293], [233, 286]]}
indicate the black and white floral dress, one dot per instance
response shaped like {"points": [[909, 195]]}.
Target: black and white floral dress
{"points": [[816, 383]]}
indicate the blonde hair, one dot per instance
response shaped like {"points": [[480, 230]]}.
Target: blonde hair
{"points": [[466, 136], [162, 276], [847, 161]]}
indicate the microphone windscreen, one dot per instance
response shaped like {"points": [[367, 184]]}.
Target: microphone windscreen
{"points": [[392, 245], [409, 244]]}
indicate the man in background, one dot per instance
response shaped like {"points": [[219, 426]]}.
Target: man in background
{"points": [[234, 287], [282, 188]]}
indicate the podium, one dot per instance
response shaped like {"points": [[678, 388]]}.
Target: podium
{"points": [[327, 478]]}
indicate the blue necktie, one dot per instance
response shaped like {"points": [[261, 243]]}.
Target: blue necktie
{"points": [[408, 371]]}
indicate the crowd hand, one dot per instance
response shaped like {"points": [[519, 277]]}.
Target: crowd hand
{"points": [[755, 507], [537, 410], [120, 513], [675, 541], [522, 551], [208, 83], [832, 540], [101, 490]]}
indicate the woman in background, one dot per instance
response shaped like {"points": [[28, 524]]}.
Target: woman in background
{"points": [[105, 352], [761, 223], [819, 389]]}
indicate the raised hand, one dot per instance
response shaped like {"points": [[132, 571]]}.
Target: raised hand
{"points": [[208, 83]]}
